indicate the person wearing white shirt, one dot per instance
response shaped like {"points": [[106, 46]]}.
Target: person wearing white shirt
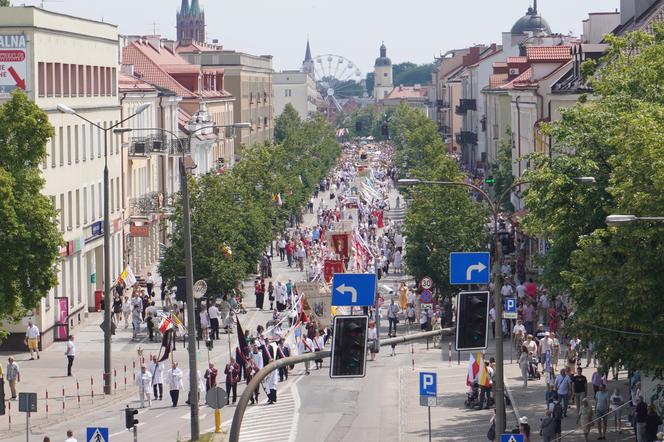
{"points": [[213, 314], [257, 356], [144, 382], [507, 291], [157, 372], [175, 383], [319, 345], [70, 353], [520, 291], [270, 384], [32, 339], [306, 345], [70, 436]]}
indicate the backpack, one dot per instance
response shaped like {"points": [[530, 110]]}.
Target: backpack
{"points": [[558, 412]]}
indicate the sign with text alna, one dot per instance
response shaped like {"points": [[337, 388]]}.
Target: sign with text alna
{"points": [[13, 63]]}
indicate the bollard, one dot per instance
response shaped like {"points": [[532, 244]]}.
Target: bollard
{"points": [[115, 380], [63, 399], [449, 353], [78, 393], [412, 355], [125, 376], [92, 389], [133, 365], [46, 405], [9, 412]]}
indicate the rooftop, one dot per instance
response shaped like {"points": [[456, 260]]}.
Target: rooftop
{"points": [[406, 92]]}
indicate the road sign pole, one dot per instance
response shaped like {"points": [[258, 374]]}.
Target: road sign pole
{"points": [[27, 427], [135, 433], [429, 423], [217, 421]]}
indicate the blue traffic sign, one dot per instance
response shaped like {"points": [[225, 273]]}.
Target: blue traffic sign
{"points": [[97, 434], [428, 384], [354, 289], [426, 297], [469, 268], [511, 438], [510, 305]]}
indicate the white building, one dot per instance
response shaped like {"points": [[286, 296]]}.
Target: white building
{"points": [[74, 61], [296, 88], [383, 81]]}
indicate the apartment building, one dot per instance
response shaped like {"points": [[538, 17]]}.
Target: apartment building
{"points": [[73, 61]]}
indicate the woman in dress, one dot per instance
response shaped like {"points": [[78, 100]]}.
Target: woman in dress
{"points": [[372, 340]]}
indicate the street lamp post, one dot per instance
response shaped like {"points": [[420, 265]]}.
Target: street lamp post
{"points": [[499, 384], [107, 241], [618, 220], [189, 275]]}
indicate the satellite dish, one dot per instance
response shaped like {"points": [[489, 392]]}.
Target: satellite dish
{"points": [[200, 287]]}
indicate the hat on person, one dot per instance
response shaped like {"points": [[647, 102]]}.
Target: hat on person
{"points": [[660, 436], [523, 420], [546, 334]]}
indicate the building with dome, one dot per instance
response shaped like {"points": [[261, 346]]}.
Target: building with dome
{"points": [[532, 22], [383, 83]]}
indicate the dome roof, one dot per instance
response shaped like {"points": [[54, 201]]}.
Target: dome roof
{"points": [[531, 22], [383, 60]]}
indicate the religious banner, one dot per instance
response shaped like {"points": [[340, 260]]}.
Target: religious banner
{"points": [[332, 266], [340, 245], [318, 305], [379, 216]]}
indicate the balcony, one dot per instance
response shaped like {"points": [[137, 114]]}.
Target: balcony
{"points": [[175, 146], [145, 205], [444, 129], [466, 104], [466, 138], [442, 105]]}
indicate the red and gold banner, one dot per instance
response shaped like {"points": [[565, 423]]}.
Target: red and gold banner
{"points": [[340, 245], [332, 266]]}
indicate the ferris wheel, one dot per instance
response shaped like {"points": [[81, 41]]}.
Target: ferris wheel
{"points": [[336, 77]]}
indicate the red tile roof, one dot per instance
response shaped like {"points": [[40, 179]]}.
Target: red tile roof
{"points": [[127, 83], [523, 80], [497, 80], [548, 54], [405, 92], [517, 60]]}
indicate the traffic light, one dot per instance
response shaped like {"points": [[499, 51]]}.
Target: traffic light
{"points": [[472, 326], [490, 181], [130, 421], [349, 347], [181, 285]]}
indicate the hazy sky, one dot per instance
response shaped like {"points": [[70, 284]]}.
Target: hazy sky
{"points": [[413, 30]]}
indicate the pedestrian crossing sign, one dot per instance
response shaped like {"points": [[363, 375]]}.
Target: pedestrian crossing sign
{"points": [[97, 434], [511, 438]]}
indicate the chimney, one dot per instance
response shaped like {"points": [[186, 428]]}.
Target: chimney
{"points": [[154, 41], [170, 45]]}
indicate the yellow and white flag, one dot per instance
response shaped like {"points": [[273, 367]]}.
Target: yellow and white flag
{"points": [[128, 277]]}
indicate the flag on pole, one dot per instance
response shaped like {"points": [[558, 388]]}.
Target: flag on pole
{"points": [[167, 344], [177, 323], [127, 276], [165, 324], [280, 202], [241, 342], [484, 378], [473, 369]]}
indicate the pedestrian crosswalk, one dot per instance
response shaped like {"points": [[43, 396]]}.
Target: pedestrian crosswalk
{"points": [[396, 214], [271, 423]]}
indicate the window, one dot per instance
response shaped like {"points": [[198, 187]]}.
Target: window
{"points": [[73, 89], [58, 79], [265, 122], [78, 208], [78, 273], [102, 81], [114, 82], [81, 81], [101, 210], [251, 97], [88, 81], [84, 152], [108, 81], [92, 149], [76, 152], [70, 211], [85, 206], [41, 79], [99, 142], [71, 281], [62, 212], [111, 196], [68, 144], [61, 132], [53, 144], [65, 80], [117, 192], [92, 203], [63, 278], [95, 80], [384, 74], [49, 79]]}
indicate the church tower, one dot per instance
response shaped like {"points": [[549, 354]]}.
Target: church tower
{"points": [[191, 22], [308, 63], [382, 75]]}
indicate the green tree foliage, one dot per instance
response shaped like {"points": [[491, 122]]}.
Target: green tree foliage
{"points": [[406, 74], [367, 121], [440, 219], [502, 170], [611, 273], [237, 209], [28, 231], [5, 3], [286, 123]]}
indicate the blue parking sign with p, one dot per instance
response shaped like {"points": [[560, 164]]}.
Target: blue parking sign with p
{"points": [[510, 305], [428, 384]]}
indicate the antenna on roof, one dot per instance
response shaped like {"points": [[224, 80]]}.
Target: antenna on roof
{"points": [[154, 25], [41, 4]]}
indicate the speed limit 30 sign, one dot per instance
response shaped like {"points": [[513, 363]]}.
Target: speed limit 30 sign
{"points": [[426, 283]]}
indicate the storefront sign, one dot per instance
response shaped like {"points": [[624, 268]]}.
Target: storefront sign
{"points": [[139, 231], [97, 228]]}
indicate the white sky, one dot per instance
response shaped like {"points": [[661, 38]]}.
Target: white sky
{"points": [[413, 30]]}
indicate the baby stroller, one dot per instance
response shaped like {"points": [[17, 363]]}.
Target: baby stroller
{"points": [[473, 397], [533, 372]]}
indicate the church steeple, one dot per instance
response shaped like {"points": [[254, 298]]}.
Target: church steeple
{"points": [[308, 63], [195, 8], [184, 9]]}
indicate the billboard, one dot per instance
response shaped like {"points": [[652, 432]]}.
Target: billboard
{"points": [[13, 63]]}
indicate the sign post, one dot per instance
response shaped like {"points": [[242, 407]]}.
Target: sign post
{"points": [[27, 403], [216, 398], [428, 393]]}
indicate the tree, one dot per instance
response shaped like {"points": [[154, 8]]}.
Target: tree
{"points": [[287, 122], [617, 138], [5, 3], [440, 219], [28, 229], [502, 170]]}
